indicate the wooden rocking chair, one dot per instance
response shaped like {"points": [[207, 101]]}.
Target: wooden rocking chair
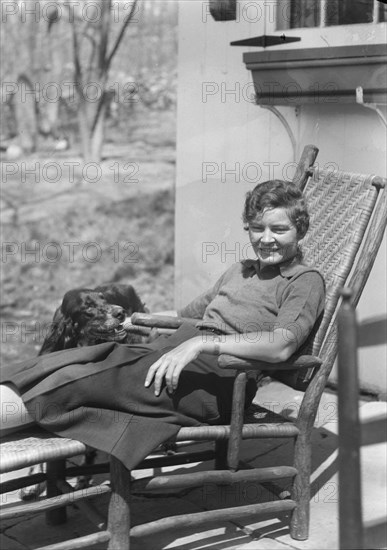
{"points": [[348, 218]]}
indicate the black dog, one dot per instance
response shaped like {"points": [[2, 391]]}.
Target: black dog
{"points": [[87, 317], [93, 316]]}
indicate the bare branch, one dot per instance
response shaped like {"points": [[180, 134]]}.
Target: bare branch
{"points": [[66, 5], [77, 63], [105, 29], [120, 36]]}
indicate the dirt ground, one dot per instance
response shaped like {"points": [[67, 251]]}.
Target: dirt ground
{"points": [[65, 225]]}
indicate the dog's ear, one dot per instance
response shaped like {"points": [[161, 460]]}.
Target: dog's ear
{"points": [[122, 295], [60, 334]]}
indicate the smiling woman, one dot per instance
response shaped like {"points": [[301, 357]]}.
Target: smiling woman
{"points": [[277, 218], [259, 309], [273, 237]]}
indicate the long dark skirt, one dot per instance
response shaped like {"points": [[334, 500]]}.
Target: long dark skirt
{"points": [[97, 395]]}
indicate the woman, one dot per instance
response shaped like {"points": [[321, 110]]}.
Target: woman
{"points": [[127, 399]]}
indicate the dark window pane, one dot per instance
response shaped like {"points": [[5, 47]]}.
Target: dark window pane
{"points": [[293, 15], [305, 13], [382, 13], [349, 12], [283, 14]]}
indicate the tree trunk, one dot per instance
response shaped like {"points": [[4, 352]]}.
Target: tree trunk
{"points": [[26, 114], [51, 81], [97, 136], [91, 120]]}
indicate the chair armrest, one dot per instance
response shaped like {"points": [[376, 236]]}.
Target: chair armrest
{"points": [[160, 321], [237, 363], [146, 331]]}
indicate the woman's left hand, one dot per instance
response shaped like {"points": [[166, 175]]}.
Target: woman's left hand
{"points": [[170, 365]]}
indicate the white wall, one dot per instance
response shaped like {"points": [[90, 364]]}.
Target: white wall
{"points": [[226, 145]]}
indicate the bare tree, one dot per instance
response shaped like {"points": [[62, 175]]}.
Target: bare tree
{"points": [[68, 54], [30, 69], [95, 44]]}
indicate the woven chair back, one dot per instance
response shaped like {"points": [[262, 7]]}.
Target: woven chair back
{"points": [[340, 205]]}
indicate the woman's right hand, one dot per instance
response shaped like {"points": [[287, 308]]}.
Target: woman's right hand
{"points": [[170, 365]]}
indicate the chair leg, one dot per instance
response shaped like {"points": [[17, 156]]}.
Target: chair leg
{"points": [[236, 425], [227, 451], [119, 507], [221, 450], [299, 524], [55, 470]]}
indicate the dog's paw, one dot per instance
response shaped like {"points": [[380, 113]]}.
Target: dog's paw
{"points": [[83, 482], [33, 492]]}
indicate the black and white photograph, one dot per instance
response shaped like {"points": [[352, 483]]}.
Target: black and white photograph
{"points": [[193, 274]]}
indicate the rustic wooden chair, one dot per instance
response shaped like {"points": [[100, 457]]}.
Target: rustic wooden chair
{"points": [[348, 218]]}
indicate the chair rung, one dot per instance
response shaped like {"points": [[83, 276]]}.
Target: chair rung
{"points": [[17, 454], [201, 518], [80, 542], [221, 477], [249, 431], [180, 457], [43, 505], [21, 482]]}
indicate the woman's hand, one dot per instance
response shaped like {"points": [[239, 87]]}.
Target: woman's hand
{"points": [[170, 365]]}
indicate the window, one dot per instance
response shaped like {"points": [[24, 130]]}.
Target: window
{"points": [[322, 23], [327, 13], [340, 48]]}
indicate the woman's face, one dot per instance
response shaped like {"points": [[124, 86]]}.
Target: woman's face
{"points": [[273, 237]]}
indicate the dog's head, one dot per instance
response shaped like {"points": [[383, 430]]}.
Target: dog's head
{"points": [[93, 320], [92, 316]]}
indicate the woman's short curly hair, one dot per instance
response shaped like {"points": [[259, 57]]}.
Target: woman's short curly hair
{"points": [[277, 194]]}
